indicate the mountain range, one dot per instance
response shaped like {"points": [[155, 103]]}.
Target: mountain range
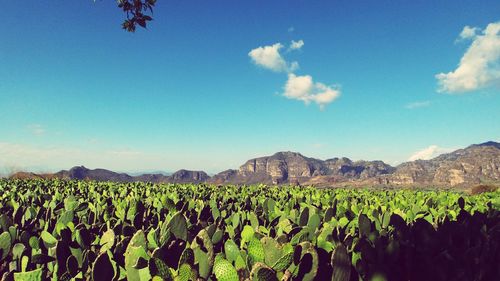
{"points": [[475, 164]]}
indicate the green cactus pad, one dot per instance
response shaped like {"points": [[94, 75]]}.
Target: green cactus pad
{"points": [[5, 244], [231, 249], [308, 267], [185, 273], [34, 275], [217, 237], [203, 253], [159, 268], [314, 222], [255, 251], [283, 262], [247, 233], [273, 251], [48, 239], [107, 240], [178, 226], [136, 249], [224, 270]]}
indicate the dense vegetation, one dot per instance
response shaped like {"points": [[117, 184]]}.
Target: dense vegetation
{"points": [[137, 231]]}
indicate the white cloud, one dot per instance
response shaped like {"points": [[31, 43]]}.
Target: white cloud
{"points": [[480, 65], [296, 45], [303, 88], [418, 104], [291, 29], [429, 153], [468, 32], [270, 57], [36, 129]]}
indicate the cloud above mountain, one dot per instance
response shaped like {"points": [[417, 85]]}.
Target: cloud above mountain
{"points": [[429, 153]]}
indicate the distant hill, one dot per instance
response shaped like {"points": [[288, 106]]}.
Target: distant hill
{"points": [[476, 164], [293, 167], [82, 173]]}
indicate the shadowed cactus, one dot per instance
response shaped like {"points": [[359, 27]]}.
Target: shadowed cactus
{"points": [[96, 231], [364, 225], [304, 217], [261, 272], [159, 268], [102, 269], [136, 249], [187, 257], [203, 253], [308, 263], [178, 226], [341, 264], [283, 262]]}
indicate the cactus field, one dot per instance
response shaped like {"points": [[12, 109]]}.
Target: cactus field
{"points": [[78, 230]]}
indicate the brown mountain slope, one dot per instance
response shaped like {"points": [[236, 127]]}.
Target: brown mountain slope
{"points": [[476, 164], [293, 168], [479, 163]]}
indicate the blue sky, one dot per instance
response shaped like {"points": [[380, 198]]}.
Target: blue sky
{"points": [[75, 89]]}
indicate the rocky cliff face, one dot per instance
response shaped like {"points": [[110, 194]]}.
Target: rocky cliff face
{"points": [[464, 167], [475, 164], [294, 168], [185, 176]]}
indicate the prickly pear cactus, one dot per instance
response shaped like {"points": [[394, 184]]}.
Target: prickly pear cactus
{"points": [[224, 270], [255, 251], [5, 244], [272, 250], [231, 250], [203, 253], [186, 273], [107, 240], [136, 249], [284, 262], [159, 268], [178, 226], [187, 257], [308, 266], [341, 264], [103, 268], [34, 275], [261, 272]]}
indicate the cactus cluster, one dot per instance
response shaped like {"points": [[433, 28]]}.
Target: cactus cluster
{"points": [[70, 230]]}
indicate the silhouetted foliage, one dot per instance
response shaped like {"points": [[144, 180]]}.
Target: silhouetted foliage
{"points": [[136, 13]]}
